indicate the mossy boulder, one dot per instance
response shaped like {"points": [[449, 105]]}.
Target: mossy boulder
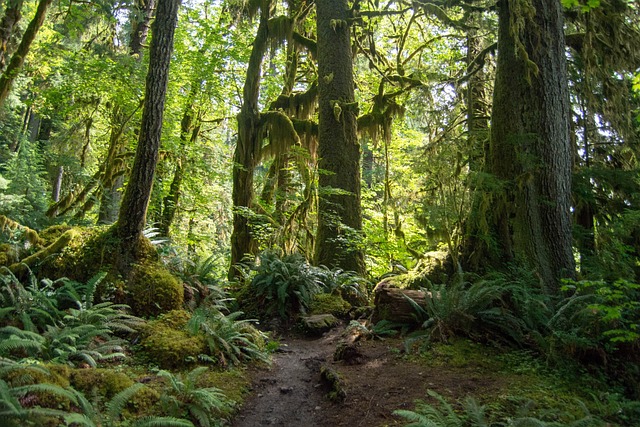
{"points": [[330, 303], [166, 342], [153, 290], [319, 323]]}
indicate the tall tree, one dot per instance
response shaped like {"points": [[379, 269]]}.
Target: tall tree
{"points": [[133, 211], [530, 149], [339, 211], [249, 139], [12, 15], [17, 59]]}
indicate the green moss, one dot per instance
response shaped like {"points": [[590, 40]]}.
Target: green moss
{"points": [[330, 304], [153, 290], [167, 343], [234, 383], [51, 234], [57, 375], [105, 383], [8, 254]]}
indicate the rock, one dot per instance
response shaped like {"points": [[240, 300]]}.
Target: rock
{"points": [[319, 323]]}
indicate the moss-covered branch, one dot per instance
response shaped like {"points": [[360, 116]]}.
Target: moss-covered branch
{"points": [[21, 268]]}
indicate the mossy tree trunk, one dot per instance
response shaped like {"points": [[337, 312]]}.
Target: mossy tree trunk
{"points": [[530, 149], [478, 112], [189, 131], [244, 158], [17, 59], [141, 15], [339, 210], [133, 211], [12, 15]]}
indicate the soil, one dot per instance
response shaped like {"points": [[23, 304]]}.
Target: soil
{"points": [[292, 394]]}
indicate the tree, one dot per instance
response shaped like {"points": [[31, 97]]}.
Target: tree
{"points": [[17, 59], [12, 15], [249, 139], [530, 150], [133, 211], [339, 211]]}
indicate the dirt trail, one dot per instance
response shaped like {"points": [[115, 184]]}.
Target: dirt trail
{"points": [[290, 393]]}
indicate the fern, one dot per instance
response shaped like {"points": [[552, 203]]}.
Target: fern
{"points": [[204, 405], [286, 285], [229, 339], [426, 415]]}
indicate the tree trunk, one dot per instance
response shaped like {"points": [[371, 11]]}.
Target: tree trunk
{"points": [[11, 17], [141, 15], [133, 211], [339, 211], [530, 149], [170, 201], [17, 59], [471, 254], [244, 158]]}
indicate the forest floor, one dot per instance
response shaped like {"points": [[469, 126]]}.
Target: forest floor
{"points": [[291, 392]]}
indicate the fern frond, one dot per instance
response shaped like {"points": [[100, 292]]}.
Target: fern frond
{"points": [[161, 422], [117, 402]]}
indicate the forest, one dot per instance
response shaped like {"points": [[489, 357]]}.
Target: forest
{"points": [[195, 196]]}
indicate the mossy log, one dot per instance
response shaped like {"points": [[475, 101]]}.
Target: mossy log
{"points": [[335, 383], [21, 268], [30, 235], [391, 303]]}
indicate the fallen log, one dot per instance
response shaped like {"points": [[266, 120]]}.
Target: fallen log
{"points": [[391, 303]]}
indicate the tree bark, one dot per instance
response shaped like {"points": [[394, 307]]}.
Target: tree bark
{"points": [[244, 158], [133, 211], [530, 150], [141, 15], [188, 133], [339, 211], [11, 17], [17, 59]]}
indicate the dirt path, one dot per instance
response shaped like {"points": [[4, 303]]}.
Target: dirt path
{"points": [[290, 393]]}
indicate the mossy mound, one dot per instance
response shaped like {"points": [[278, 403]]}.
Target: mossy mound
{"points": [[104, 382], [166, 342], [153, 290], [57, 375], [330, 304]]}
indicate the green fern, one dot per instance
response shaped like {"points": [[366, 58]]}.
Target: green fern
{"points": [[184, 396], [286, 285], [32, 304], [229, 339], [426, 415], [90, 417]]}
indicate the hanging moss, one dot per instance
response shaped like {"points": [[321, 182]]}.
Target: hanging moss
{"points": [[280, 131], [153, 290]]}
